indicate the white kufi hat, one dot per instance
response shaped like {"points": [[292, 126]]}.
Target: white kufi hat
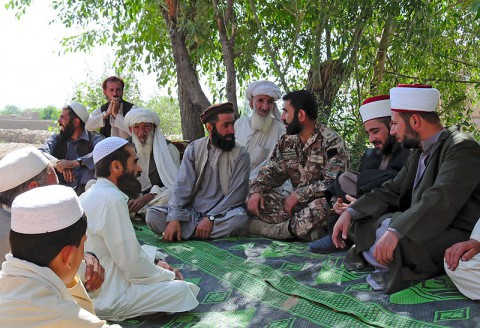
{"points": [[45, 209], [80, 110], [375, 107], [106, 147], [19, 166]]}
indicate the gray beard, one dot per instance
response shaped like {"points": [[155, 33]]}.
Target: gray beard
{"points": [[144, 151], [259, 123]]}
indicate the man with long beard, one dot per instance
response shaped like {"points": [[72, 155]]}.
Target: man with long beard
{"points": [[137, 282], [260, 132], [211, 185], [311, 156], [378, 164], [158, 157], [404, 227], [72, 148]]}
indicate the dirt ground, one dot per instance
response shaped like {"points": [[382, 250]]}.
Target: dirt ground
{"points": [[19, 138]]}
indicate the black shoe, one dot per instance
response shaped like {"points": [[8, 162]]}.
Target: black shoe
{"points": [[323, 245]]}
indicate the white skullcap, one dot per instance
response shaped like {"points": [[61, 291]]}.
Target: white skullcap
{"points": [[414, 98], [45, 209], [141, 115], [80, 110], [263, 88], [106, 147], [375, 107], [19, 166]]}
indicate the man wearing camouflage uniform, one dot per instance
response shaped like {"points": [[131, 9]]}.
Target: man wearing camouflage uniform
{"points": [[310, 155]]}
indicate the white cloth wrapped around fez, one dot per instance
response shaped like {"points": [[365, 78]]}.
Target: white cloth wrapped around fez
{"points": [[19, 166], [265, 88], [106, 147], [375, 107], [414, 98], [45, 209], [166, 167], [80, 110]]}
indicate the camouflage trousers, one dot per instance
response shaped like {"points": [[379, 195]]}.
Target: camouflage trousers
{"points": [[308, 220]]}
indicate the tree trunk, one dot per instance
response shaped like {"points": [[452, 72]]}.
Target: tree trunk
{"points": [[191, 97], [381, 58], [223, 20]]}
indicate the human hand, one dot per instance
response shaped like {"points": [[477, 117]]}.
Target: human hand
{"points": [[254, 203], [383, 251], [464, 250], [115, 106], [340, 230], [94, 273], [173, 231], [68, 175], [135, 205], [203, 229], [63, 164], [165, 265], [290, 202], [339, 207]]}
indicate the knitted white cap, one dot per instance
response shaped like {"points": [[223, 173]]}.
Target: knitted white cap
{"points": [[375, 107], [19, 166], [106, 147], [414, 98], [45, 209], [80, 110]]}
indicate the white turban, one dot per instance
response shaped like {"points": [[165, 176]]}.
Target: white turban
{"points": [[167, 170], [265, 88], [414, 98], [45, 209], [19, 166], [107, 146]]}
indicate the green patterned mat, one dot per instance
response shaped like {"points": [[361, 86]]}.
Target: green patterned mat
{"points": [[254, 282]]}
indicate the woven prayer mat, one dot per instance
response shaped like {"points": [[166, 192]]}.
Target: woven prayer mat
{"points": [[255, 282]]}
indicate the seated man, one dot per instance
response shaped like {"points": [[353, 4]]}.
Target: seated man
{"points": [[311, 156], [377, 165], [47, 239], [260, 132], [134, 285], [462, 264], [109, 117], [22, 170], [211, 185], [404, 227], [158, 158], [72, 148]]}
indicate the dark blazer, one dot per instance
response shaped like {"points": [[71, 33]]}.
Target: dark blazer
{"points": [[441, 210]]}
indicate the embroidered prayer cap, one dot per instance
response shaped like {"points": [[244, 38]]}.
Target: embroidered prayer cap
{"points": [[263, 88], [106, 147], [375, 107], [141, 115], [223, 108], [45, 209], [19, 166], [80, 110], [414, 98]]}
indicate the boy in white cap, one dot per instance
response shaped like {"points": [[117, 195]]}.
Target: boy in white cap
{"points": [[47, 238], [404, 227], [72, 147], [377, 165], [22, 170], [260, 132], [133, 285], [158, 157]]}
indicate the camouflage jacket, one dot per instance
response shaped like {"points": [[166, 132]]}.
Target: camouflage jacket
{"points": [[312, 167]]}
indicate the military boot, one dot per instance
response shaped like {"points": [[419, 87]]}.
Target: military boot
{"points": [[273, 231]]}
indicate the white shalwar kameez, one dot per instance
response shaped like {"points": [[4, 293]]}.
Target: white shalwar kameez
{"points": [[133, 284], [467, 275], [34, 296]]}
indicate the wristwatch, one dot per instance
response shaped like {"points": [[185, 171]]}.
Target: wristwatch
{"points": [[211, 217], [79, 160]]}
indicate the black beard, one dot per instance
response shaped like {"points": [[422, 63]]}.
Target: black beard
{"points": [[387, 147], [129, 185], [68, 131], [411, 139], [294, 127], [221, 142]]}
